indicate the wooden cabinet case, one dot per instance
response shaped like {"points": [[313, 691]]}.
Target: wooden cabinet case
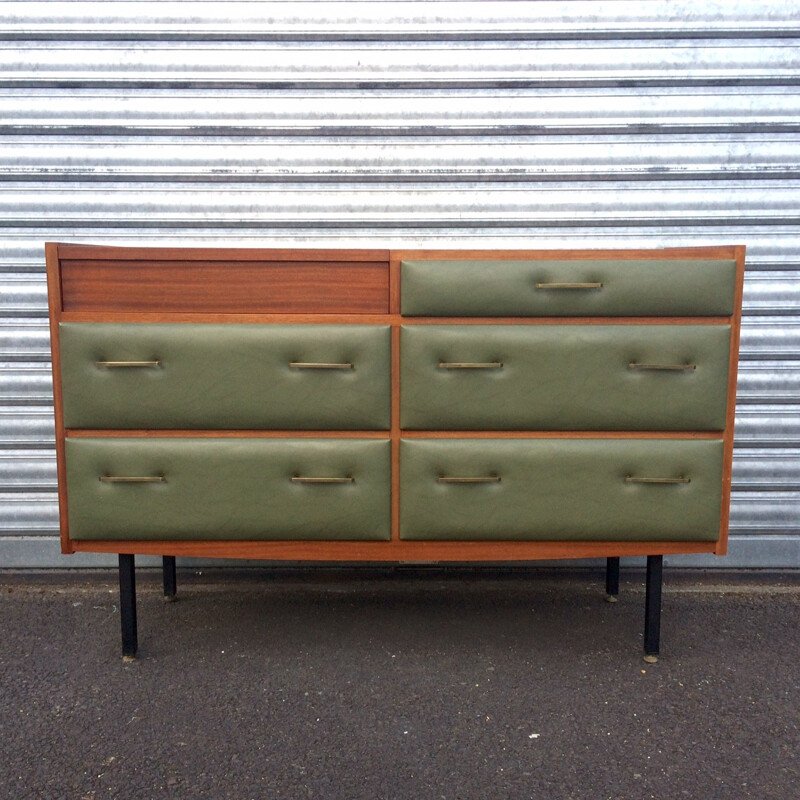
{"points": [[396, 406]]}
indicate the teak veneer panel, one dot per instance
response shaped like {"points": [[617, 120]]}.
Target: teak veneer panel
{"points": [[393, 551], [266, 287]]}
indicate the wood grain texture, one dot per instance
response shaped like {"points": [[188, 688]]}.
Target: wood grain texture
{"points": [[378, 318], [266, 287], [94, 252], [78, 433], [393, 551], [262, 319], [127, 433], [700, 253], [733, 369], [55, 308], [565, 320], [395, 434], [395, 275]]}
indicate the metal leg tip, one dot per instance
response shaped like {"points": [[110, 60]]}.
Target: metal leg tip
{"points": [[170, 598], [651, 659], [128, 659], [611, 598]]}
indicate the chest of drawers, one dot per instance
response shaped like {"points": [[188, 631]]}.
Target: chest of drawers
{"points": [[394, 406]]}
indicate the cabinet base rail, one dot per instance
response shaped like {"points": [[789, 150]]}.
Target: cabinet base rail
{"points": [[127, 596]]}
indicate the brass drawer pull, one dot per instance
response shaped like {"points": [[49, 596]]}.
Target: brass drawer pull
{"points": [[115, 364], [557, 286], [663, 367], [481, 479], [302, 479], [470, 365], [319, 365], [132, 479], [633, 479]]}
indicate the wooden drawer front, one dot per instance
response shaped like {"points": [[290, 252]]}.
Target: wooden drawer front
{"points": [[228, 489], [561, 489], [564, 377], [184, 376], [109, 279], [488, 288]]}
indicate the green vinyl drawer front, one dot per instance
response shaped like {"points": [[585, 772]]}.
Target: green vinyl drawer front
{"points": [[561, 489], [232, 376], [228, 488], [564, 377], [582, 287]]}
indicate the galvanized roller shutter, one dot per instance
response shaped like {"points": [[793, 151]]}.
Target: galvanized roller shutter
{"points": [[546, 124]]}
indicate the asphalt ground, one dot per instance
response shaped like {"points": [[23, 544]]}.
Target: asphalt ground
{"points": [[448, 685]]}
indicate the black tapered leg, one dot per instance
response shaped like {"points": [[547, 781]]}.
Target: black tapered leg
{"points": [[652, 607], [127, 606], [170, 577], [612, 579]]}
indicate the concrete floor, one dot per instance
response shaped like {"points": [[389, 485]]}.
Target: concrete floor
{"points": [[399, 684]]}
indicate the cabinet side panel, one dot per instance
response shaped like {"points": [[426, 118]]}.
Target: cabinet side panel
{"points": [[55, 307], [736, 327]]}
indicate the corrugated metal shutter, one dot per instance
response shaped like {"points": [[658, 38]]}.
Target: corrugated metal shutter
{"points": [[546, 124]]}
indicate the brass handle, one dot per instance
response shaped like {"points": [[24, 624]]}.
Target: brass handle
{"points": [[470, 365], [303, 479], [555, 285], [319, 365], [663, 367], [480, 479], [114, 364], [633, 479], [132, 479]]}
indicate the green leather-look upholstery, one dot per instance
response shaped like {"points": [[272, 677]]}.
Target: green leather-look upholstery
{"points": [[561, 489], [564, 377], [228, 488], [232, 376], [497, 288]]}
